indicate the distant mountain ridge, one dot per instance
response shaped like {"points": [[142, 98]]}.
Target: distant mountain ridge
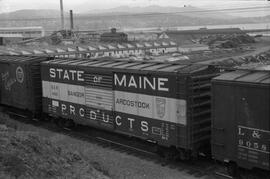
{"points": [[189, 11], [125, 17], [121, 10], [32, 14]]}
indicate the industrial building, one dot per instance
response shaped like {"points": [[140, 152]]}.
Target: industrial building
{"points": [[11, 35], [115, 50], [114, 36]]}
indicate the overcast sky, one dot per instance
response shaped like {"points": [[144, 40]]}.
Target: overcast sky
{"points": [[88, 5]]}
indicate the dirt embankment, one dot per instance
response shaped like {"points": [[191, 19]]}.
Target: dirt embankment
{"points": [[248, 61], [26, 155]]}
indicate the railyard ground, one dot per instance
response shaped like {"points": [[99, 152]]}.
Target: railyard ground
{"points": [[102, 162], [262, 45]]}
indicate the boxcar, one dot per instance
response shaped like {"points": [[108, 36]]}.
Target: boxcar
{"points": [[240, 120], [21, 82], [162, 102]]}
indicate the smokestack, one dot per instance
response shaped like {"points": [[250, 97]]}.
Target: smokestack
{"points": [[62, 14], [71, 20]]}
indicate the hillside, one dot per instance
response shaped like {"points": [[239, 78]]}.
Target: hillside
{"points": [[123, 17], [189, 11], [121, 10], [25, 154], [31, 14]]}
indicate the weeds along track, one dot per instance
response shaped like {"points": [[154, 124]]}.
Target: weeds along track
{"points": [[200, 168]]}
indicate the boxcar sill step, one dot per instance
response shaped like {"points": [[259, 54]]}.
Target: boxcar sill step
{"points": [[218, 144], [123, 145], [223, 175], [218, 128]]}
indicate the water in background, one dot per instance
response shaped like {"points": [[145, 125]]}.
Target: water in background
{"points": [[241, 26]]}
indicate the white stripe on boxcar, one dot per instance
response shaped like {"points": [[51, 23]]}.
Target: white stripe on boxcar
{"points": [[99, 98], [162, 108], [64, 92]]}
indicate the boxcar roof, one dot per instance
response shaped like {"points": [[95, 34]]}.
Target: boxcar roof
{"points": [[21, 59], [247, 76], [131, 65]]}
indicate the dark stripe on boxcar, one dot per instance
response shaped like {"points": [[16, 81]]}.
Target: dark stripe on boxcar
{"points": [[165, 133], [71, 74], [64, 109], [81, 114], [98, 80], [100, 118], [151, 84]]}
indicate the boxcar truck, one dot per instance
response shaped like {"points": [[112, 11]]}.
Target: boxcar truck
{"points": [[240, 119]]}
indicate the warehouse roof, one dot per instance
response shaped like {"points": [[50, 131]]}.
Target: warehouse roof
{"points": [[104, 47]]}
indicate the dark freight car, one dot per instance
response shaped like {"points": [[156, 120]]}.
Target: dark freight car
{"points": [[21, 82], [241, 118], [162, 102]]}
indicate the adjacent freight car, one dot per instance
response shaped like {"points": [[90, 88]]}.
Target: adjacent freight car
{"points": [[241, 119], [165, 103], [21, 83]]}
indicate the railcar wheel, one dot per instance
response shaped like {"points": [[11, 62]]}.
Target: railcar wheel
{"points": [[57, 122], [232, 169], [171, 154], [184, 155], [159, 151], [69, 124], [45, 117]]}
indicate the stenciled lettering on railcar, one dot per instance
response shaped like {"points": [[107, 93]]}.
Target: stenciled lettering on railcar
{"points": [[143, 124], [161, 107], [19, 74], [69, 109], [253, 145], [148, 83], [8, 81], [132, 103], [75, 94], [253, 139], [97, 79], [64, 74]]}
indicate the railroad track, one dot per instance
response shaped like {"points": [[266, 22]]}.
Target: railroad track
{"points": [[198, 168]]}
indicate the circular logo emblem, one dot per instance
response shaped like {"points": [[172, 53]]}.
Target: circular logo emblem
{"points": [[19, 74]]}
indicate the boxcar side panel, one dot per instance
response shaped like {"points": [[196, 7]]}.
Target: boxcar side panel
{"points": [[146, 128], [72, 93], [252, 126], [223, 130], [14, 85], [146, 107], [240, 126]]}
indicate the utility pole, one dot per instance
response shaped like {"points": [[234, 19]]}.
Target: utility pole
{"points": [[62, 14]]}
